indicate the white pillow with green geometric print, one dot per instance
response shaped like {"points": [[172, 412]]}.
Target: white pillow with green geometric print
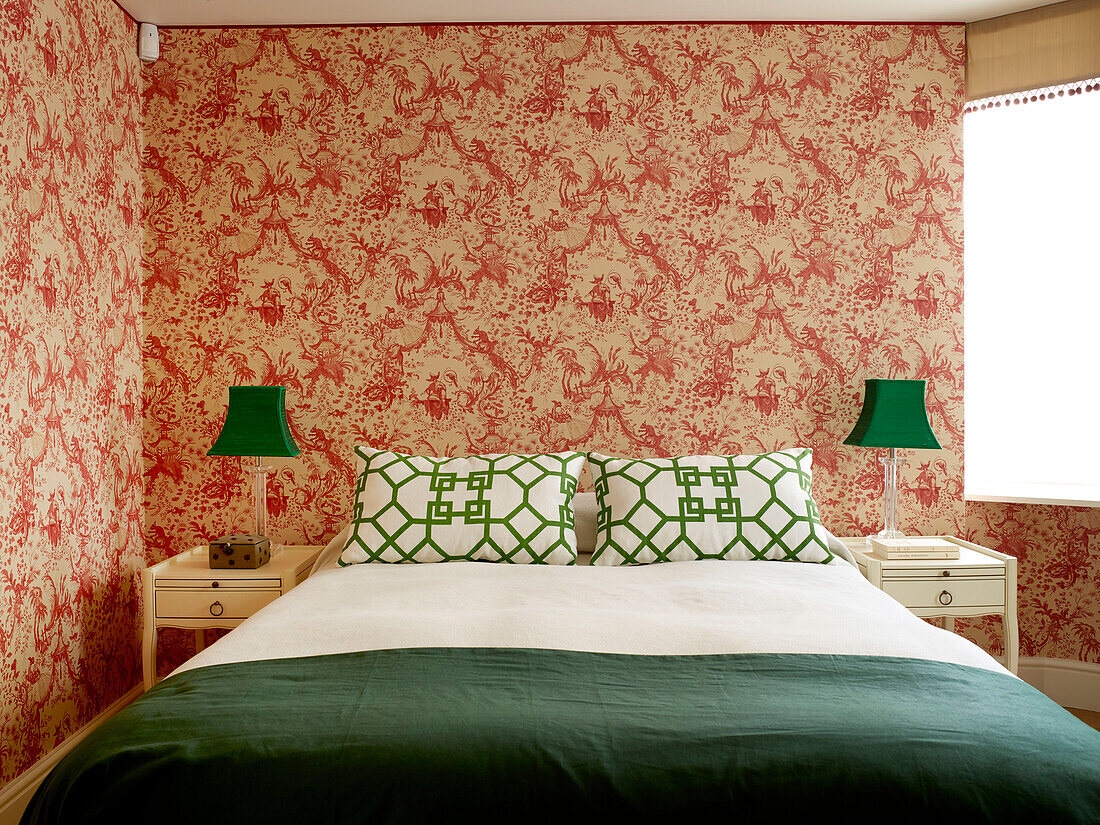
{"points": [[707, 507], [509, 508]]}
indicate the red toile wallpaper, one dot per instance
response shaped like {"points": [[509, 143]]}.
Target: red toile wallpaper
{"points": [[70, 381], [641, 239], [638, 239], [1059, 575]]}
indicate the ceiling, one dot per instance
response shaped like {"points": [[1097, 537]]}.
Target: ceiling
{"points": [[298, 12]]}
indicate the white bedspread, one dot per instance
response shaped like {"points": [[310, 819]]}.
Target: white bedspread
{"points": [[691, 607]]}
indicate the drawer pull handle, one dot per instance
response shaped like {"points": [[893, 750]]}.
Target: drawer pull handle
{"points": [[218, 584], [216, 609], [946, 598], [946, 573]]}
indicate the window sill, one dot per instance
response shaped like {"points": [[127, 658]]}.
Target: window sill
{"points": [[1011, 499]]}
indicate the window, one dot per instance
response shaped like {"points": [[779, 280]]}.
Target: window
{"points": [[1032, 296]]}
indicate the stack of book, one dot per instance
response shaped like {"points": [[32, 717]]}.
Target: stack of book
{"points": [[915, 547]]}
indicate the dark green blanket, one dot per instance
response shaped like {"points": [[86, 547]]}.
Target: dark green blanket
{"points": [[514, 735]]}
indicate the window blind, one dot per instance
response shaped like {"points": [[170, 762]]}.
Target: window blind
{"points": [[1032, 308], [1040, 47]]}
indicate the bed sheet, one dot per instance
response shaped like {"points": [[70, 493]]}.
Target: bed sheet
{"points": [[674, 608]]}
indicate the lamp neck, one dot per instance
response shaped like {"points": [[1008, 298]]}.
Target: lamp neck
{"points": [[890, 496], [261, 496]]}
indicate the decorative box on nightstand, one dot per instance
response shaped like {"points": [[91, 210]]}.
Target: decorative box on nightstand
{"points": [[980, 582], [184, 592]]}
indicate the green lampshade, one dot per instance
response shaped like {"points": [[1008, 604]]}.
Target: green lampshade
{"points": [[256, 424], [893, 415]]}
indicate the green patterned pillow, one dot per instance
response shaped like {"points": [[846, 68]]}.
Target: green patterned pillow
{"points": [[511, 508], [707, 507]]}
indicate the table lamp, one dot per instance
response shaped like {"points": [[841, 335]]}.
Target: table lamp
{"points": [[255, 425], [893, 416]]}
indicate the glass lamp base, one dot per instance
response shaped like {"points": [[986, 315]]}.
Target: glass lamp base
{"points": [[261, 472], [887, 534], [890, 498]]}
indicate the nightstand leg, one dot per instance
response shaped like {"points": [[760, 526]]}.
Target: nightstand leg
{"points": [[149, 655], [1012, 642], [200, 640], [949, 623]]}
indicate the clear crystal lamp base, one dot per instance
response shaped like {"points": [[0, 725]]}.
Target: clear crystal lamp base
{"points": [[890, 498], [261, 472]]}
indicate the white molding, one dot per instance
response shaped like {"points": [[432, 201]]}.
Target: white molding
{"points": [[16, 795], [1070, 683], [342, 12], [1052, 502]]}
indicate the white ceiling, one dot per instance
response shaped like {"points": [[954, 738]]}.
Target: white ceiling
{"points": [[296, 12]]}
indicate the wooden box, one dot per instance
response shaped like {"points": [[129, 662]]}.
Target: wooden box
{"points": [[241, 550]]}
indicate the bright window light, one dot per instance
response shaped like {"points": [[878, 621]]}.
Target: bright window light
{"points": [[1032, 300]]}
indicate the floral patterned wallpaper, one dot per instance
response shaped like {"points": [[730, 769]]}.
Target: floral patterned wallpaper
{"points": [[643, 239], [1058, 549], [70, 380], [640, 239]]}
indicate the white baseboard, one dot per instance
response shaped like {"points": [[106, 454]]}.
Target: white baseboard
{"points": [[16, 795], [1069, 683]]}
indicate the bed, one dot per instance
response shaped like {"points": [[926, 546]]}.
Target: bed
{"points": [[446, 692]]}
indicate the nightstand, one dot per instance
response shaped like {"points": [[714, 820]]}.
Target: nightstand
{"points": [[184, 592], [980, 582]]}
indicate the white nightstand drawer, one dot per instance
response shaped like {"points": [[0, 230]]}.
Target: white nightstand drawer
{"points": [[205, 604], [926, 571], [950, 592], [215, 581]]}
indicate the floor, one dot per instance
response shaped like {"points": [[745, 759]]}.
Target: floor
{"points": [[1089, 717]]}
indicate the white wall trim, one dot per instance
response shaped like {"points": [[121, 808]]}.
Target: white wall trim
{"points": [[1070, 683], [16, 795]]}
